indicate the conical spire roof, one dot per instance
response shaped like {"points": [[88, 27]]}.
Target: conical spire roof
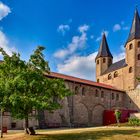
{"points": [[104, 49], [135, 28]]}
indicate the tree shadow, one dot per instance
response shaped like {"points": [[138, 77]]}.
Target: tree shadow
{"points": [[94, 135]]}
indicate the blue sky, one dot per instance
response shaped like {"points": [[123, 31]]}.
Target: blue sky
{"points": [[69, 29]]}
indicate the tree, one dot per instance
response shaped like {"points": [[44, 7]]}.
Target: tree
{"points": [[118, 116], [27, 88], [5, 80]]}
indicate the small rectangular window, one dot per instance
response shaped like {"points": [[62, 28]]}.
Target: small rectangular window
{"points": [[97, 61], [139, 44], [13, 125], [112, 96], [104, 60], [102, 94], [117, 97]]}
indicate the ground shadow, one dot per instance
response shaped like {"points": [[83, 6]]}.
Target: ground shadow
{"points": [[94, 135]]}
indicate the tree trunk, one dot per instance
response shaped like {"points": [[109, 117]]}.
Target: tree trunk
{"points": [[1, 123], [26, 125]]}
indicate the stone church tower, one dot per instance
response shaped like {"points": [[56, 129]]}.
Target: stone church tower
{"points": [[104, 57], [132, 49], [122, 74]]}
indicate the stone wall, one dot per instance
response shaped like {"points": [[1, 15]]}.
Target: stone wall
{"points": [[12, 123], [86, 106], [133, 99]]}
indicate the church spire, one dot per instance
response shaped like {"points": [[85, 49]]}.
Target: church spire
{"points": [[104, 49], [135, 28]]}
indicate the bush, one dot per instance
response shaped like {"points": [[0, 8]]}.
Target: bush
{"points": [[134, 121]]}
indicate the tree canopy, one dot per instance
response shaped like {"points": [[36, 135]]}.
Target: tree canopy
{"points": [[24, 86]]}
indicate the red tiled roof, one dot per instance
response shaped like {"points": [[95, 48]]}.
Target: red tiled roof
{"points": [[79, 80]]}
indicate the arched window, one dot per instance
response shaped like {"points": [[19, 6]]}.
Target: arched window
{"points": [[104, 60], [117, 97], [97, 61], [109, 76], [130, 70], [130, 46], [138, 56], [112, 96], [115, 74], [98, 80], [83, 91], [139, 44], [96, 93], [76, 90], [102, 94]]}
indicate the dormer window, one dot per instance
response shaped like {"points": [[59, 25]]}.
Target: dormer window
{"points": [[130, 46], [130, 70], [104, 60], [109, 76]]}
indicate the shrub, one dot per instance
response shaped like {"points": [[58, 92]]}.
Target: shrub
{"points": [[134, 121]]}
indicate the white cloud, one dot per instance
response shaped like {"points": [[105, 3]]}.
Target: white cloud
{"points": [[121, 26], [116, 27], [83, 28], [4, 43], [78, 42], [79, 66], [4, 10], [63, 28], [84, 66], [122, 48], [61, 53], [100, 37], [119, 56]]}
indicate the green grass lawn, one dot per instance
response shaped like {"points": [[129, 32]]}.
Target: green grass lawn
{"points": [[111, 133]]}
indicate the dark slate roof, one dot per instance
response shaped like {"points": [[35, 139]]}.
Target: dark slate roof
{"points": [[104, 49], [135, 28], [116, 66]]}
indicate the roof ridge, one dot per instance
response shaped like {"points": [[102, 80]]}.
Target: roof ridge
{"points": [[117, 61], [115, 66], [80, 80]]}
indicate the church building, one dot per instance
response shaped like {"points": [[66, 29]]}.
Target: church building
{"points": [[117, 87], [124, 73]]}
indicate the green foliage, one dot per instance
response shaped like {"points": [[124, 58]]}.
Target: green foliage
{"points": [[134, 121], [23, 86], [118, 116]]}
